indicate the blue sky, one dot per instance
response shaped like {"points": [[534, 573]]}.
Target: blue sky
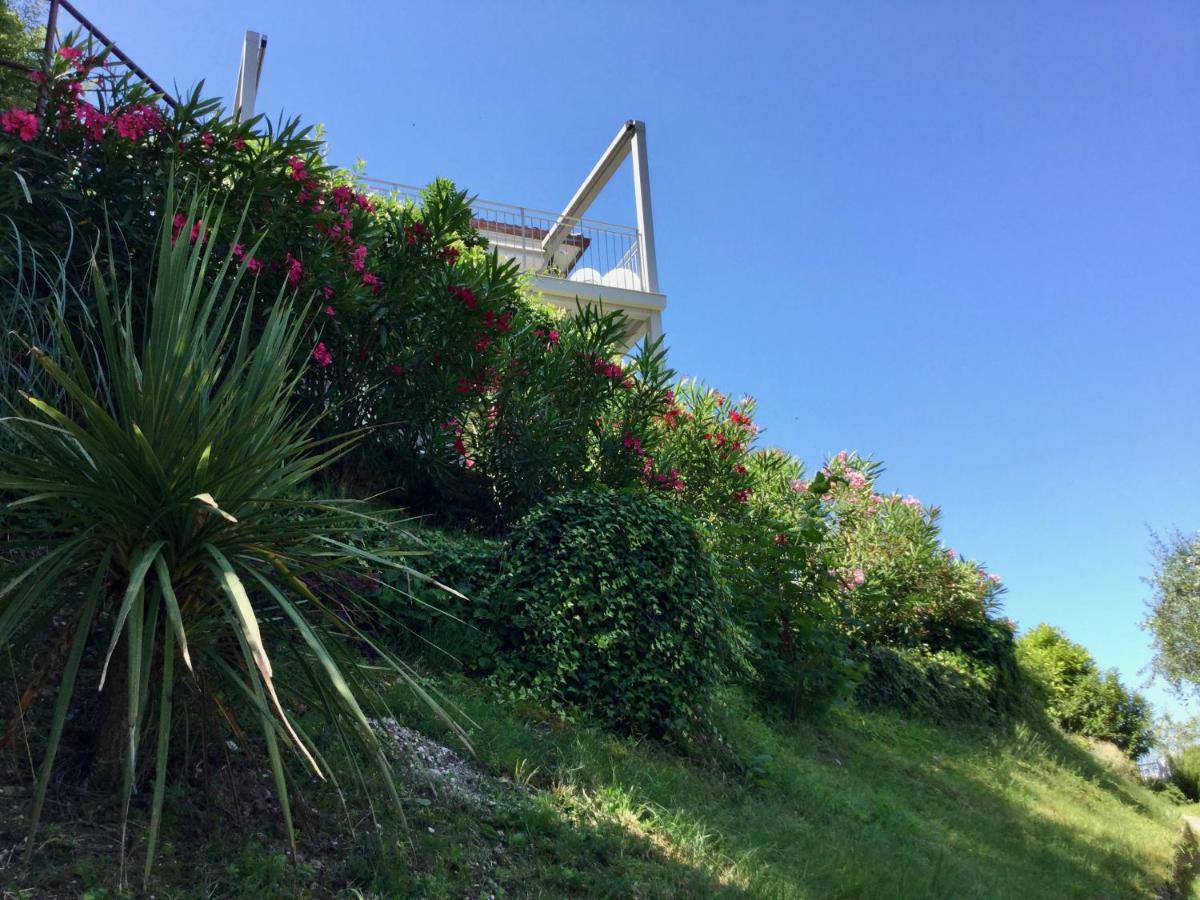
{"points": [[963, 238]]}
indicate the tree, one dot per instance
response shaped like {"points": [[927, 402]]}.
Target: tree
{"points": [[22, 35], [1174, 616]]}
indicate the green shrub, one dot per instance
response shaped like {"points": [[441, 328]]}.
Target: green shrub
{"points": [[617, 610], [940, 685], [1185, 772], [1081, 698], [701, 450], [901, 587]]}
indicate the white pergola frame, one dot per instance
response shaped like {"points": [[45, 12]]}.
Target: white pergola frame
{"points": [[254, 48], [631, 138]]}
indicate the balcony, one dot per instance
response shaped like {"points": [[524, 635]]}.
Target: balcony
{"points": [[569, 259]]}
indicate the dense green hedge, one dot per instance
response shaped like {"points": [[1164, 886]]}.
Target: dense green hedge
{"points": [[617, 610]]}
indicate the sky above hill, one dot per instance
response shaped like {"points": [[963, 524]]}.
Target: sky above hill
{"points": [[960, 238]]}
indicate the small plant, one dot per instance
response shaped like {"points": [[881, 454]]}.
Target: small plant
{"points": [[617, 610], [157, 507]]}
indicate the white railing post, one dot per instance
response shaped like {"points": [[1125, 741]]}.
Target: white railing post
{"points": [[645, 215]]}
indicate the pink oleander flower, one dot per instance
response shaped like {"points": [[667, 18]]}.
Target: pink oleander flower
{"points": [[950, 554], [70, 53], [91, 120], [858, 577], [371, 281], [206, 139], [20, 122], [994, 578], [327, 291], [857, 480], [358, 258], [799, 486], [911, 502], [254, 265], [294, 270], [177, 223], [330, 311], [322, 356], [239, 144], [135, 121]]}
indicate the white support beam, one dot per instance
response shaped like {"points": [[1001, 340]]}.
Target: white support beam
{"points": [[645, 214], [254, 48], [591, 187]]}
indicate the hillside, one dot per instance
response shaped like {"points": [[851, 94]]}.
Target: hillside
{"points": [[866, 804]]}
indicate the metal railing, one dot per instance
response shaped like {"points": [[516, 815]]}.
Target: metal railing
{"points": [[96, 42], [593, 252]]}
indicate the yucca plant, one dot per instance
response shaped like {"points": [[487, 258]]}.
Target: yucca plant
{"points": [[159, 501]]}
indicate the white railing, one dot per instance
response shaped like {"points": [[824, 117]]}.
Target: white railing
{"points": [[591, 252]]}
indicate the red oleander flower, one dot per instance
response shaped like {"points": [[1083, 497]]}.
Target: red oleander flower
{"points": [[464, 294], [322, 356]]}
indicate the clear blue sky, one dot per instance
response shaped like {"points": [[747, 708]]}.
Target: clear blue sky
{"points": [[961, 237]]}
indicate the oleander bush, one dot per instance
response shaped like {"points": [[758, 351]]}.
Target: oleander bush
{"points": [[617, 610], [901, 586]]}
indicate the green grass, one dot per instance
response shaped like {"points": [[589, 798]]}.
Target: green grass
{"points": [[864, 804]]}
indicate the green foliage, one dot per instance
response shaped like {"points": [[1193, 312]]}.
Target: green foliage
{"points": [[1081, 698], [949, 685], [1185, 772], [22, 36], [766, 537], [617, 610], [1174, 616], [901, 586], [154, 509], [561, 412]]}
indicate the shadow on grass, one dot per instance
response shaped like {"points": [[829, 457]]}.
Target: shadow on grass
{"points": [[865, 805]]}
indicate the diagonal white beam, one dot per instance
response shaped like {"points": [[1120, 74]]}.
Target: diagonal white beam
{"points": [[600, 175]]}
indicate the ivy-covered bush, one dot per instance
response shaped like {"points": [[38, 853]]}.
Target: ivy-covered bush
{"points": [[616, 610], [1079, 696]]}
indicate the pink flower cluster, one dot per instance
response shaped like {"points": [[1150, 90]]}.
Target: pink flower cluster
{"points": [[20, 122], [134, 122]]}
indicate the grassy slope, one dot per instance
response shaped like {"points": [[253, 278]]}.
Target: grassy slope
{"points": [[863, 805], [866, 805]]}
